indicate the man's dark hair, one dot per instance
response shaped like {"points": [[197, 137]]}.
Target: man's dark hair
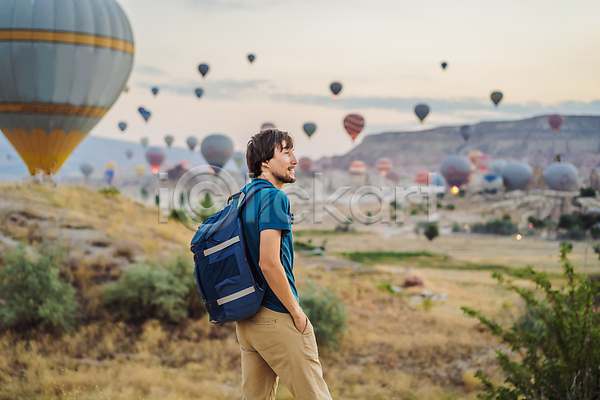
{"points": [[261, 148]]}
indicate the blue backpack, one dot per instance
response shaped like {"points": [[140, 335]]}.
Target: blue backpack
{"points": [[230, 286]]}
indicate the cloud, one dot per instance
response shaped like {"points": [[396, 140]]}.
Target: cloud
{"points": [[221, 90], [455, 107], [148, 70]]}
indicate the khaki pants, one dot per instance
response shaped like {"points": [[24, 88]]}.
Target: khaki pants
{"points": [[272, 347]]}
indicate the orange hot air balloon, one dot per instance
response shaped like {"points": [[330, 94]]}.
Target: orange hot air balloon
{"points": [[472, 156], [63, 66], [354, 123], [555, 121], [422, 177], [357, 169], [384, 164]]}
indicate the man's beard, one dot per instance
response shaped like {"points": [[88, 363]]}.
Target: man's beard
{"points": [[284, 178]]}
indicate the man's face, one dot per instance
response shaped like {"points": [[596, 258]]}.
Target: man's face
{"points": [[282, 165]]}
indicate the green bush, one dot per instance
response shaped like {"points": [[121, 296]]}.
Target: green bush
{"points": [[587, 192], [537, 223], [32, 292], [148, 292], [576, 233], [497, 226], [432, 231], [450, 207], [327, 314], [553, 350], [111, 191], [182, 267], [595, 232]]}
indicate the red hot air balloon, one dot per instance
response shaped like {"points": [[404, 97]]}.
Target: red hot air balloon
{"points": [[555, 121], [422, 177], [384, 164], [155, 157], [354, 123], [306, 164]]}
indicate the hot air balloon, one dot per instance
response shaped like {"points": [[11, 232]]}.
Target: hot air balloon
{"points": [[139, 170], [444, 65], [393, 176], [251, 58], [145, 113], [421, 177], [561, 176], [217, 149], [199, 92], [63, 65], [357, 169], [169, 140], [384, 164], [122, 126], [354, 123], [335, 87], [496, 97], [555, 121], [110, 173], [472, 156], [86, 169], [422, 110], [239, 158], [8, 157], [144, 141], [516, 175], [155, 157], [203, 68], [465, 132], [309, 128], [129, 154], [492, 183], [496, 166], [192, 142], [456, 169], [305, 164], [154, 91], [483, 161], [267, 125]]}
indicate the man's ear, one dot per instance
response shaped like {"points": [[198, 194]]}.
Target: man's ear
{"points": [[265, 165]]}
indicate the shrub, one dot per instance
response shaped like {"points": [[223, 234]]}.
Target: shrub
{"points": [[537, 223], [33, 293], [456, 227], [587, 192], [595, 232], [432, 231], [145, 292], [497, 226], [327, 314], [450, 207], [553, 347], [182, 267], [576, 233], [111, 191]]}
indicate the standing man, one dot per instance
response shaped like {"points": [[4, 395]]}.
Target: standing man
{"points": [[279, 340]]}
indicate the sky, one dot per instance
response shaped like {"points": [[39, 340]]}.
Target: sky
{"points": [[542, 54]]}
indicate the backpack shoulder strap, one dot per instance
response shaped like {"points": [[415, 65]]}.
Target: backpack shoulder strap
{"points": [[244, 197]]}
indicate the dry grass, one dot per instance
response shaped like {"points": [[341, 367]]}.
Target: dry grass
{"points": [[392, 347]]}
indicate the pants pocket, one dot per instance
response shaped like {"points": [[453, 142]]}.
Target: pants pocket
{"points": [[310, 342]]}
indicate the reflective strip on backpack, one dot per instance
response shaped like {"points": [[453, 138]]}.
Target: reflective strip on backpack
{"points": [[235, 296], [219, 247]]}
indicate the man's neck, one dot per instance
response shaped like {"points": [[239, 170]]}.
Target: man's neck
{"points": [[269, 177]]}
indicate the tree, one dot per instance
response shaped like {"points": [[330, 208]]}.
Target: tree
{"points": [[432, 231]]}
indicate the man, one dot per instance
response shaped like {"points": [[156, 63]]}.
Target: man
{"points": [[279, 340]]}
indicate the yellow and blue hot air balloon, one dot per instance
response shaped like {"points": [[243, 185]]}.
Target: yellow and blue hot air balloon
{"points": [[64, 63]]}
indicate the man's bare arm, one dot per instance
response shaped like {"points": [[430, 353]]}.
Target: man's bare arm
{"points": [[272, 269]]}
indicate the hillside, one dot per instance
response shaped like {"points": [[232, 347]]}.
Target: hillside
{"points": [[531, 140]]}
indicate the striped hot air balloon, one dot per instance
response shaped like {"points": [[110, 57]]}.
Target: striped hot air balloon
{"points": [[384, 164], [357, 169], [62, 66], [354, 123]]}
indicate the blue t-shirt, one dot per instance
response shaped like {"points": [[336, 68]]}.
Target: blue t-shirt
{"points": [[269, 208]]}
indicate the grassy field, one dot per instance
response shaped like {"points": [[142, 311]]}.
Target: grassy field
{"points": [[395, 345]]}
